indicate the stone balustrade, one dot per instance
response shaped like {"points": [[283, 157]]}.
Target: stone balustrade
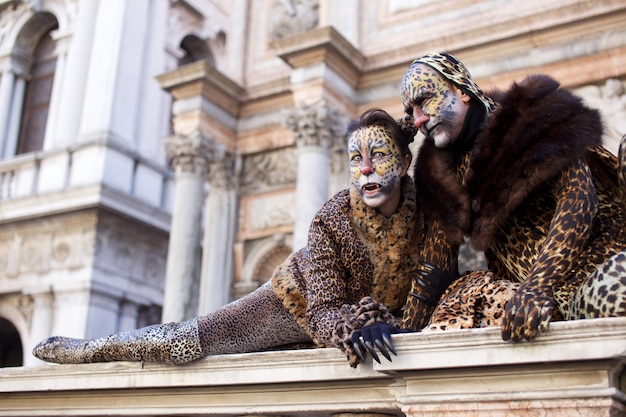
{"points": [[575, 369], [91, 173]]}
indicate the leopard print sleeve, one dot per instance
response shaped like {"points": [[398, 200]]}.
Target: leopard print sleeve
{"points": [[570, 228], [434, 250], [337, 270], [532, 306]]}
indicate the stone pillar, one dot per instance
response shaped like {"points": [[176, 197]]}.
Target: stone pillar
{"points": [[63, 41], [190, 157], [316, 126], [6, 93], [326, 67], [73, 78], [41, 323], [219, 236], [207, 102], [13, 130]]}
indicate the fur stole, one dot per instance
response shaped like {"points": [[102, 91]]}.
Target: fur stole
{"points": [[390, 243], [536, 131]]}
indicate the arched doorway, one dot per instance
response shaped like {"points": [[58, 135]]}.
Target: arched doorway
{"points": [[10, 345]]}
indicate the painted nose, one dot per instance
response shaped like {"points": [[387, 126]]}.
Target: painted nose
{"points": [[366, 167], [420, 120]]}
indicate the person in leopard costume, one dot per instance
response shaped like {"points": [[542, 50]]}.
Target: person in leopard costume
{"points": [[523, 174], [345, 289]]}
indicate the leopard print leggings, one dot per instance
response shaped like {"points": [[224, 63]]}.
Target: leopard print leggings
{"points": [[255, 322]]}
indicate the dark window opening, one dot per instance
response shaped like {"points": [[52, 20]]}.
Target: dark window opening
{"points": [[37, 97], [10, 345]]}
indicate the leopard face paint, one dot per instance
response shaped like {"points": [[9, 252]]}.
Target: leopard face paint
{"points": [[376, 168], [436, 106]]}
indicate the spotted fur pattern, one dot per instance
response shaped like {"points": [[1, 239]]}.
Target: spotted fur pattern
{"points": [[353, 253], [602, 293], [171, 343], [546, 209], [479, 299], [362, 256]]}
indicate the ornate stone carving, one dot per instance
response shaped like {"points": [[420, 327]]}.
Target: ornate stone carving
{"points": [[272, 211], [315, 124], [290, 17], [338, 158], [154, 268], [22, 303], [268, 170], [266, 266], [192, 153], [68, 242], [124, 256], [223, 174], [130, 251]]}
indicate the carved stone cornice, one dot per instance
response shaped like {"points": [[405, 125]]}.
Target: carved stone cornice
{"points": [[325, 45], [315, 124], [192, 153], [200, 78]]}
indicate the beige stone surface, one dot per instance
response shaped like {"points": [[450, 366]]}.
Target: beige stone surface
{"points": [[574, 369]]}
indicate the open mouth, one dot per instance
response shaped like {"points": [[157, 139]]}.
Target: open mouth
{"points": [[371, 188]]}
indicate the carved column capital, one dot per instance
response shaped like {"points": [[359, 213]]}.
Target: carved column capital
{"points": [[223, 174], [315, 124], [192, 153]]}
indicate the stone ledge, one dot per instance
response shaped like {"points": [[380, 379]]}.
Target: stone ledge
{"points": [[576, 368]]}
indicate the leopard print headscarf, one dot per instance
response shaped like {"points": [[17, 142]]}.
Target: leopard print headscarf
{"points": [[454, 71]]}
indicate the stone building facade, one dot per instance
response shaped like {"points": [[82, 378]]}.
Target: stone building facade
{"points": [[161, 157]]}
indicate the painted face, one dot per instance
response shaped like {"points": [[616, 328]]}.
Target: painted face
{"points": [[376, 168], [437, 106]]}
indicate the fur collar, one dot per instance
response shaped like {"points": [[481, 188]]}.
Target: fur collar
{"points": [[535, 132], [389, 241]]}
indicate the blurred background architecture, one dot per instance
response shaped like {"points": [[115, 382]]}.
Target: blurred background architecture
{"points": [[160, 157]]}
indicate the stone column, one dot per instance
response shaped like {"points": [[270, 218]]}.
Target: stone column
{"points": [[316, 126], [207, 101], [190, 156], [6, 93], [70, 83], [13, 129], [219, 235], [63, 42], [41, 322]]}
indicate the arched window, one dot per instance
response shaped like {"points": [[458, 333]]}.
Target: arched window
{"points": [[10, 345], [37, 97], [195, 50]]}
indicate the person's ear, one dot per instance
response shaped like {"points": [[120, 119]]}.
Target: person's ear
{"points": [[464, 96]]}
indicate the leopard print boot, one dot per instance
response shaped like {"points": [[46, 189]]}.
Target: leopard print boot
{"points": [[172, 343]]}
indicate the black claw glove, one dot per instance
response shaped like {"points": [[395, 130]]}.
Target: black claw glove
{"points": [[377, 335], [434, 281]]}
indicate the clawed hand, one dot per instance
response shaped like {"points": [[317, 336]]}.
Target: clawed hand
{"points": [[377, 335], [527, 313]]}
